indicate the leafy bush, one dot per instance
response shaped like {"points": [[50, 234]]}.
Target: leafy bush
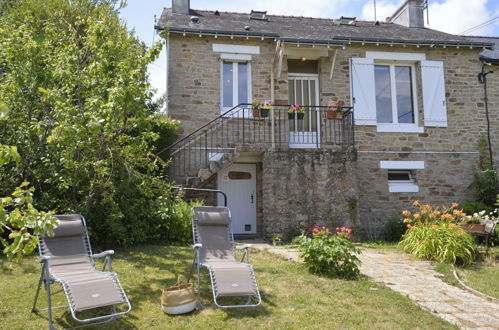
{"points": [[394, 229], [434, 233], [19, 220], [176, 220], [82, 115], [331, 255], [472, 206]]}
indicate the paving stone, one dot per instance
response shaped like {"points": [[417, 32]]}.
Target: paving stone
{"points": [[480, 319], [438, 307]]}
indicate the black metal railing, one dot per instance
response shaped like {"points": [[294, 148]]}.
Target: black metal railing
{"points": [[242, 126]]}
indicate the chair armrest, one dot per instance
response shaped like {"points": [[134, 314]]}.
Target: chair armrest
{"points": [[197, 246], [242, 247], [103, 254], [43, 259]]}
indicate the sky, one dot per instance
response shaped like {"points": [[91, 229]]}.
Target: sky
{"points": [[451, 16]]}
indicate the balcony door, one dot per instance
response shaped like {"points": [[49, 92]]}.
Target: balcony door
{"points": [[304, 90]]}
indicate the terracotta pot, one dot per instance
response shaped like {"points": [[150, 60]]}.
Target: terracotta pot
{"points": [[256, 112], [334, 115]]}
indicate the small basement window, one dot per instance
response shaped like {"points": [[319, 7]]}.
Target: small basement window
{"points": [[401, 181]]}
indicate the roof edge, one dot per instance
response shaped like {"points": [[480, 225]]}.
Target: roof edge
{"points": [[340, 40]]}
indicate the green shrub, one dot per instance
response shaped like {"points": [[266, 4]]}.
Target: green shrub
{"points": [[434, 233], [82, 116], [176, 220], [394, 229], [445, 242], [331, 255], [471, 206]]}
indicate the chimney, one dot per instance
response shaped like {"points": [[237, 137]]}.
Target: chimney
{"points": [[410, 14], [181, 6]]}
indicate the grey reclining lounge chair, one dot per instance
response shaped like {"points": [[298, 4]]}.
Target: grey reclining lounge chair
{"points": [[215, 249], [67, 259]]}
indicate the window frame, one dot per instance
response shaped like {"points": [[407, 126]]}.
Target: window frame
{"points": [[235, 81], [396, 126], [407, 186]]}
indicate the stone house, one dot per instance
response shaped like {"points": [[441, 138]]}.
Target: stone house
{"points": [[412, 133]]}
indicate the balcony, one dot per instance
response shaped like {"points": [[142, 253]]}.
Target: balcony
{"points": [[204, 151]]}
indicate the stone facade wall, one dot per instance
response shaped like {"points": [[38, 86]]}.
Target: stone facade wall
{"points": [[303, 187], [493, 96], [194, 77], [445, 179], [299, 186]]}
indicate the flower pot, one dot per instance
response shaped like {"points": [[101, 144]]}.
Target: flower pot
{"points": [[291, 115], [334, 115], [264, 112], [256, 112]]}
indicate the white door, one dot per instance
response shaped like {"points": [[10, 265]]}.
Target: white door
{"points": [[238, 181], [304, 90]]}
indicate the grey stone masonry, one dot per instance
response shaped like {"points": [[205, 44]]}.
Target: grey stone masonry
{"points": [[303, 187]]}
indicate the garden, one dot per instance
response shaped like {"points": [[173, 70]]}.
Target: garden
{"points": [[82, 134]]}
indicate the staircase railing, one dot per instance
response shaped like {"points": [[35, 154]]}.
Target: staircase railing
{"points": [[240, 126]]}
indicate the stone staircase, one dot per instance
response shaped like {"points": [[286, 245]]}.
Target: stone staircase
{"points": [[217, 161]]}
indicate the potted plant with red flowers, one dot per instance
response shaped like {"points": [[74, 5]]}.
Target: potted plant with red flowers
{"points": [[335, 111], [265, 108]]}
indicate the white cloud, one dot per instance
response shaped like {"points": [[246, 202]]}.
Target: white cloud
{"points": [[451, 16], [455, 16], [384, 9]]}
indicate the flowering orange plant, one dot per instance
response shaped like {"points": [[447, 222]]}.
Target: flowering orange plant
{"points": [[430, 214], [434, 233]]}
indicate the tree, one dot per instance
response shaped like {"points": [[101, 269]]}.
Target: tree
{"points": [[82, 115], [18, 216]]}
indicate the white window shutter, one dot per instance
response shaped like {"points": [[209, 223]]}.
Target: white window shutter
{"points": [[362, 91], [435, 110]]}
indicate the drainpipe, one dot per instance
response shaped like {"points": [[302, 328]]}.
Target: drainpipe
{"points": [[272, 98], [166, 75], [482, 78]]}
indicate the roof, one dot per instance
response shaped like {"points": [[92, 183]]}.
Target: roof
{"points": [[491, 55], [305, 29]]}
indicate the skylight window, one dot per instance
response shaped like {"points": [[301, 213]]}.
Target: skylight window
{"points": [[258, 15], [347, 20]]}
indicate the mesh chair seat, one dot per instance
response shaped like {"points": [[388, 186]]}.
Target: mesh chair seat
{"points": [[211, 228], [69, 261]]}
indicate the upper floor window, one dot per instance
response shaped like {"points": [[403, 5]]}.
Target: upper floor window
{"points": [[236, 84], [384, 91], [394, 94]]}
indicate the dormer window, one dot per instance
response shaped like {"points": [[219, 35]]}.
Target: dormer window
{"points": [[347, 20], [258, 15]]}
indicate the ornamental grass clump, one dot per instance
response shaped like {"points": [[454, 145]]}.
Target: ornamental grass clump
{"points": [[434, 233], [330, 254]]}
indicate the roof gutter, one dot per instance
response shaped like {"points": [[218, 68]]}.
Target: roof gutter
{"points": [[489, 60], [219, 33], [335, 41]]}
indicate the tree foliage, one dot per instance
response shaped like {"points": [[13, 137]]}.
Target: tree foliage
{"points": [[82, 115], [19, 220]]}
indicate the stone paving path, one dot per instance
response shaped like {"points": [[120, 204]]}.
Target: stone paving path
{"points": [[417, 279]]}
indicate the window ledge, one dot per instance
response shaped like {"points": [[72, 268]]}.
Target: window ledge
{"points": [[403, 187], [399, 128]]}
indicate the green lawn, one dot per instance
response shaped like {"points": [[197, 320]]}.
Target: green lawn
{"points": [[482, 275], [292, 298]]}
